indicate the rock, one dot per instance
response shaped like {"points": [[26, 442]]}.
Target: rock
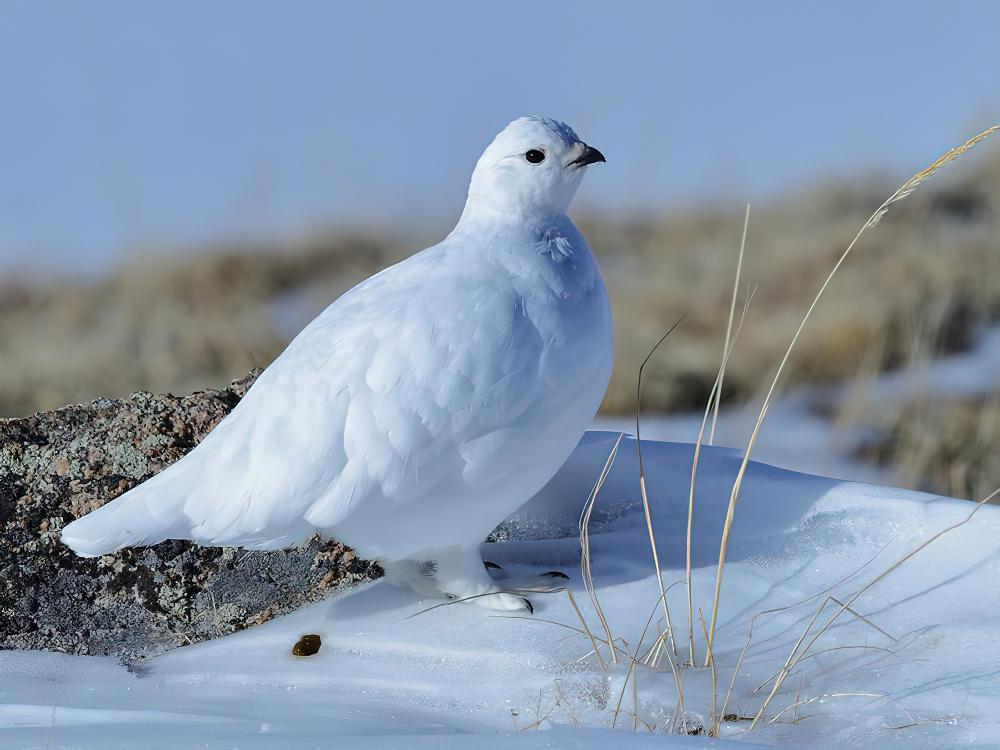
{"points": [[56, 466], [307, 645]]}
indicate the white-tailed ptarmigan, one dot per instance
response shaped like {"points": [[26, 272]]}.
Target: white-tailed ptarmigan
{"points": [[420, 408]]}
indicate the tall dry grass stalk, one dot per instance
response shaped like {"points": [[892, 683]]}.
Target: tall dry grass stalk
{"points": [[716, 388], [715, 719], [586, 627], [585, 569], [902, 192], [729, 327], [644, 493]]}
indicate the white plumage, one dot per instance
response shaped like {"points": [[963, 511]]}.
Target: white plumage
{"points": [[421, 407]]}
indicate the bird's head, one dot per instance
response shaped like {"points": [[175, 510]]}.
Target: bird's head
{"points": [[533, 167]]}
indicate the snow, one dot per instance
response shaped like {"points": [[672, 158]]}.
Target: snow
{"points": [[457, 677]]}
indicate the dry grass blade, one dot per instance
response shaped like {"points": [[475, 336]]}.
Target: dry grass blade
{"points": [[863, 619], [914, 182], [792, 660], [822, 606], [716, 721], [753, 620], [642, 483], [798, 696], [795, 657], [877, 696], [588, 509], [905, 189], [635, 703], [647, 658], [802, 658], [729, 329], [590, 635], [645, 629], [621, 696], [634, 659], [716, 388], [863, 647]]}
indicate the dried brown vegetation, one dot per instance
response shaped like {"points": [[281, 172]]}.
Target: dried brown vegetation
{"points": [[933, 266], [948, 447]]}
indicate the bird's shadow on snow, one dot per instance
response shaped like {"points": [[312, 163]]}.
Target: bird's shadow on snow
{"points": [[544, 532], [377, 598]]}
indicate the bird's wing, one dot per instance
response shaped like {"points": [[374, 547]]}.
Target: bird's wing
{"points": [[390, 391], [409, 378]]}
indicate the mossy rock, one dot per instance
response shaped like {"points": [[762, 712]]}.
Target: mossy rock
{"points": [[56, 466]]}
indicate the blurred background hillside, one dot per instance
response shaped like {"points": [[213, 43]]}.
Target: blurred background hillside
{"points": [[181, 190]]}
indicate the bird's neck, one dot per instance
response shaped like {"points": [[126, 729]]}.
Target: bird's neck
{"points": [[546, 247], [481, 217]]}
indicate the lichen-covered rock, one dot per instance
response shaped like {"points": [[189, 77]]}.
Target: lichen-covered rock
{"points": [[56, 466]]}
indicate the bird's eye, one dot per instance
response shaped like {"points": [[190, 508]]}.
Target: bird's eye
{"points": [[535, 156]]}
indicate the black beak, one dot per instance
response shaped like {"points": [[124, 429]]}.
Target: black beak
{"points": [[590, 155]]}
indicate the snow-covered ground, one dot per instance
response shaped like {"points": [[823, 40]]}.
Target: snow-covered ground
{"points": [[924, 669]]}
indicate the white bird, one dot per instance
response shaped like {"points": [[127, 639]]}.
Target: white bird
{"points": [[423, 406]]}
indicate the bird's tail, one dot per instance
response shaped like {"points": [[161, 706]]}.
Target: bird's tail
{"points": [[145, 515]]}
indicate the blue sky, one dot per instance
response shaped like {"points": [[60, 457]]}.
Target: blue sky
{"points": [[131, 126]]}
